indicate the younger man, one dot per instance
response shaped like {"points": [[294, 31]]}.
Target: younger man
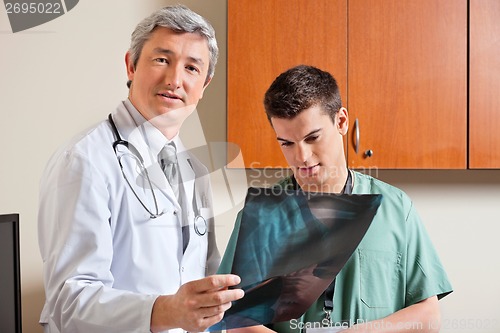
{"points": [[394, 276]]}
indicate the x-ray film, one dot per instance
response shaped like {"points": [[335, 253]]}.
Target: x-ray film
{"points": [[290, 247]]}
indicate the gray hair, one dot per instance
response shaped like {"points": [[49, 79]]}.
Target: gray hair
{"points": [[178, 18]]}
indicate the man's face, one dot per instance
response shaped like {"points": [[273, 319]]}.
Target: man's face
{"points": [[313, 147], [170, 76]]}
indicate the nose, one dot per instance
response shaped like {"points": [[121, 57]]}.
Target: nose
{"points": [[302, 154], [173, 77]]}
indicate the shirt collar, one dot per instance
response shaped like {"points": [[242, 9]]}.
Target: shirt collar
{"points": [[153, 137], [348, 186]]}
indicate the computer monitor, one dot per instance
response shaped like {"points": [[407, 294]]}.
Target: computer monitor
{"points": [[10, 276]]}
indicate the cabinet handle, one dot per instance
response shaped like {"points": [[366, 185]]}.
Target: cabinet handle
{"points": [[356, 143]]}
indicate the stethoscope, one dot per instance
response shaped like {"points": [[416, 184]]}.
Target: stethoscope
{"points": [[200, 223]]}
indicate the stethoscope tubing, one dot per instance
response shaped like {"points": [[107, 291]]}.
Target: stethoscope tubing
{"points": [[135, 153]]}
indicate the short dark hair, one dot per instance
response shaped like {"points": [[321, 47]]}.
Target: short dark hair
{"points": [[300, 88]]}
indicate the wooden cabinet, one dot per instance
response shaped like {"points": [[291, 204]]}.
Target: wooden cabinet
{"points": [[264, 39], [484, 88], [402, 67], [407, 84]]}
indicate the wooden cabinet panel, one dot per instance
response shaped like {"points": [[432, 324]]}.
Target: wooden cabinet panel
{"points": [[484, 88], [264, 39], [407, 70]]}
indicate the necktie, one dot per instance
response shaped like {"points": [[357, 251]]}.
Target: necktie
{"points": [[168, 162], [170, 166]]}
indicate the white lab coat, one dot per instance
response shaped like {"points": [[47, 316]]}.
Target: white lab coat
{"points": [[105, 261]]}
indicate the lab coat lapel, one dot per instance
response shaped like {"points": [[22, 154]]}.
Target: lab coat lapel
{"points": [[202, 240]]}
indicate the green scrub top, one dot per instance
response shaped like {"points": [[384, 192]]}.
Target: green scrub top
{"points": [[394, 266]]}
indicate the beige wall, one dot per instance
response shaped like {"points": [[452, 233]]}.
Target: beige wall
{"points": [[63, 76]]}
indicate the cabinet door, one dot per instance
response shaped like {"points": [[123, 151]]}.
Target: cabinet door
{"points": [[407, 70], [264, 39], [484, 88]]}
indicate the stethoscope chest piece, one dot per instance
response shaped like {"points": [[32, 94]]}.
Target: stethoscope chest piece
{"points": [[200, 225]]}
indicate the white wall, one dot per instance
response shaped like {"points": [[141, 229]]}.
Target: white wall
{"points": [[63, 76]]}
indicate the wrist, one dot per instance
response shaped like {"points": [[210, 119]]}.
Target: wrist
{"points": [[161, 318]]}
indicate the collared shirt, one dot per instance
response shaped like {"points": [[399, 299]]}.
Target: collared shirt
{"points": [[152, 135], [156, 141]]}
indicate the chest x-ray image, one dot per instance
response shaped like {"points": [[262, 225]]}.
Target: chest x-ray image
{"points": [[290, 247]]}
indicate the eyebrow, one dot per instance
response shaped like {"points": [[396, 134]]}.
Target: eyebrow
{"points": [[305, 136], [170, 52]]}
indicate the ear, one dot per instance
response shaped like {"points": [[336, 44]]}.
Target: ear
{"points": [[130, 66], [205, 85], [343, 121]]}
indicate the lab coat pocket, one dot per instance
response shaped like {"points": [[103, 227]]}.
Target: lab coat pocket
{"points": [[378, 277]]}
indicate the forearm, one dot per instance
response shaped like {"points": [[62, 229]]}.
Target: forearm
{"points": [[423, 317]]}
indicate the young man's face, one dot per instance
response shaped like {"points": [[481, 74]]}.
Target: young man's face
{"points": [[170, 76], [313, 147]]}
